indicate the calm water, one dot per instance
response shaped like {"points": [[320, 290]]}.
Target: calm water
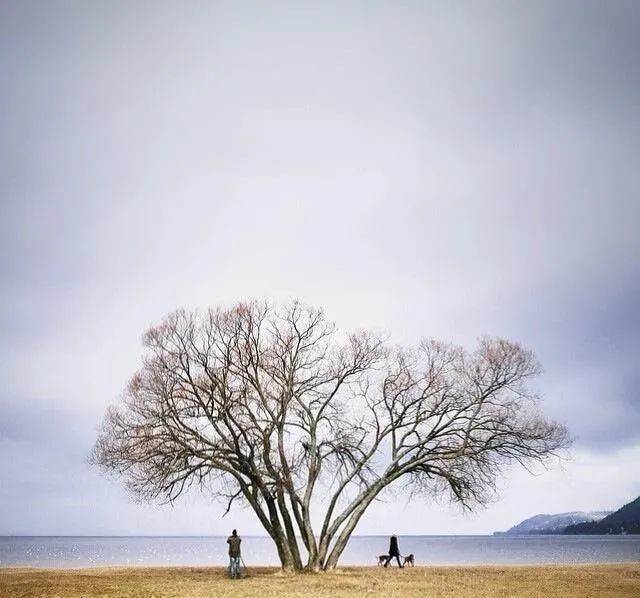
{"points": [[429, 550]]}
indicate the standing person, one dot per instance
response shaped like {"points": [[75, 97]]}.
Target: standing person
{"points": [[394, 551], [234, 554]]}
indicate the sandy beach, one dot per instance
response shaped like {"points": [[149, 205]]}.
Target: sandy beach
{"points": [[597, 581]]}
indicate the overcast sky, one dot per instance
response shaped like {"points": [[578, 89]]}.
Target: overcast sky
{"points": [[432, 169]]}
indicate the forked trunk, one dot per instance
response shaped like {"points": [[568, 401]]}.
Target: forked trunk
{"points": [[343, 537]]}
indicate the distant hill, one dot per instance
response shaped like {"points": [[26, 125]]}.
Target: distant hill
{"points": [[625, 520], [553, 524]]}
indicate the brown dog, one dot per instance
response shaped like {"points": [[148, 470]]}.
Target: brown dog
{"points": [[382, 559], [410, 561]]}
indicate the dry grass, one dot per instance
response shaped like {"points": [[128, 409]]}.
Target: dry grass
{"points": [[596, 581]]}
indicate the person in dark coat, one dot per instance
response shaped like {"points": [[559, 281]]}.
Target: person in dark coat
{"points": [[234, 554], [394, 551]]}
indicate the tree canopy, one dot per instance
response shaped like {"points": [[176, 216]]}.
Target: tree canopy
{"points": [[273, 406]]}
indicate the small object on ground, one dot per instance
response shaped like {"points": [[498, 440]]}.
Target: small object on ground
{"points": [[245, 571]]}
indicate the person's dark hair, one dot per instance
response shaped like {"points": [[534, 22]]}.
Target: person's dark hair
{"points": [[234, 533]]}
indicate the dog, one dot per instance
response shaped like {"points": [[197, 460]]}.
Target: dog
{"points": [[410, 561], [382, 559]]}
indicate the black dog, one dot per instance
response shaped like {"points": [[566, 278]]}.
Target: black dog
{"points": [[410, 560]]}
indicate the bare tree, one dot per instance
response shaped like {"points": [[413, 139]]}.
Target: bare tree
{"points": [[272, 406]]}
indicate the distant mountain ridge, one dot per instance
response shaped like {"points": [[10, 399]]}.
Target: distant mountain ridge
{"points": [[553, 523], [625, 520]]}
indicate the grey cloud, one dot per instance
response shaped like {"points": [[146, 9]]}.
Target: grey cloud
{"points": [[44, 423], [427, 169]]}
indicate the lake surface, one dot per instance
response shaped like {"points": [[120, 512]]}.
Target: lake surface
{"points": [[69, 551]]}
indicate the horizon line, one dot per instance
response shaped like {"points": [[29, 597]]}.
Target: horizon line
{"points": [[209, 536]]}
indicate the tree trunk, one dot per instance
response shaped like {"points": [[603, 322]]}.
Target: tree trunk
{"points": [[285, 553], [291, 539], [343, 537]]}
